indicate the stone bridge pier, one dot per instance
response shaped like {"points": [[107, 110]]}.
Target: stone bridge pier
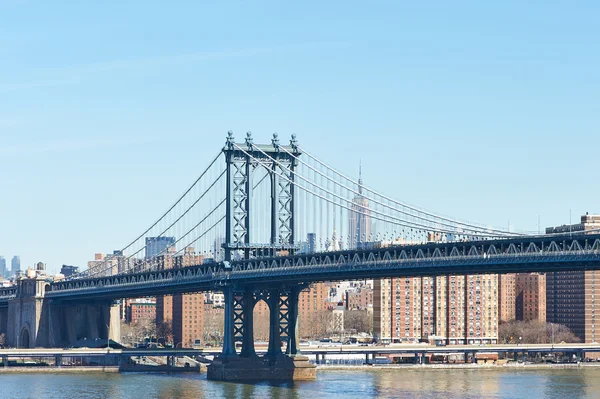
{"points": [[72, 322], [32, 320], [275, 364], [4, 321]]}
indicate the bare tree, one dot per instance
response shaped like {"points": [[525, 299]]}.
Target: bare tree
{"points": [[164, 330], [358, 321], [534, 332], [261, 326], [314, 325], [214, 326]]}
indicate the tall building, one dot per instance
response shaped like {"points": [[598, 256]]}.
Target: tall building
{"points": [[359, 217], [311, 241], [3, 271], [183, 312], [522, 296], [507, 296], [530, 302], [157, 245], [453, 309], [15, 264], [570, 296]]}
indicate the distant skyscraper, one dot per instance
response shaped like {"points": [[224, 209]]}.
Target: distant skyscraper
{"points": [[311, 239], [3, 271], [360, 216], [156, 245], [15, 264]]}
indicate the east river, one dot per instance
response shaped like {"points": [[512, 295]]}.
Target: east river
{"points": [[423, 383]]}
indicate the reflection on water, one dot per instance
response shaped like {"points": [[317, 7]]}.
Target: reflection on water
{"points": [[404, 383]]}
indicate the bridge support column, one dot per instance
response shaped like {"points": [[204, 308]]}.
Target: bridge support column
{"points": [[274, 349], [58, 361], [474, 358], [228, 344], [293, 347], [4, 361], [248, 325]]}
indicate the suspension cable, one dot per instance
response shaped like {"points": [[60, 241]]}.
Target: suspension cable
{"points": [[501, 232], [400, 223], [469, 224]]}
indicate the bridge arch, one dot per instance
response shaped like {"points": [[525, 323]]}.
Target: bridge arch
{"points": [[261, 315], [24, 338]]}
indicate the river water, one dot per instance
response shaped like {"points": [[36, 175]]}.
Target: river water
{"points": [[398, 383]]}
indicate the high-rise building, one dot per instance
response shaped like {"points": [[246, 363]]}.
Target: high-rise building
{"points": [[15, 264], [183, 312], [157, 245], [311, 241], [3, 271], [452, 309], [530, 300], [570, 296], [522, 296], [359, 217], [507, 296]]}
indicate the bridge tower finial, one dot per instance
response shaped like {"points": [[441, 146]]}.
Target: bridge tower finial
{"points": [[275, 141], [230, 140], [294, 143], [249, 140]]}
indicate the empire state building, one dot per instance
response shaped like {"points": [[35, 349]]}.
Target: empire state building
{"points": [[360, 217]]}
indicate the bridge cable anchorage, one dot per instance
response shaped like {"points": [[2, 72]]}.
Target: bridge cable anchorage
{"points": [[400, 222], [341, 185], [470, 225], [111, 266]]}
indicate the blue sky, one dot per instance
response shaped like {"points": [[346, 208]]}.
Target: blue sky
{"points": [[485, 111]]}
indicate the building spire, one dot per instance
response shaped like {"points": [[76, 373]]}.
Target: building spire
{"points": [[360, 182]]}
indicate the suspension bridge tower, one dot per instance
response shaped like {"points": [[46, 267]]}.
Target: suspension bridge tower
{"points": [[276, 164], [242, 160]]}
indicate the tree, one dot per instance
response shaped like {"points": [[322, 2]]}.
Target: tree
{"points": [[358, 321], [534, 332], [164, 330], [214, 326]]}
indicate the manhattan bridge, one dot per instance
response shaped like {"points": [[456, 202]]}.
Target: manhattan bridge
{"points": [[265, 221]]}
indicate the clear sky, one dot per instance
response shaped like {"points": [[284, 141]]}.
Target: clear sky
{"points": [[485, 111]]}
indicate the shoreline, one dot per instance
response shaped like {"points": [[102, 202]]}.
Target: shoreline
{"points": [[507, 366], [101, 369]]}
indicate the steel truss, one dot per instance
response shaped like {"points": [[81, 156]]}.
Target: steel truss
{"points": [[240, 166]]}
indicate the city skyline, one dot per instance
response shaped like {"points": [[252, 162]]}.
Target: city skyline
{"points": [[503, 92]]}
